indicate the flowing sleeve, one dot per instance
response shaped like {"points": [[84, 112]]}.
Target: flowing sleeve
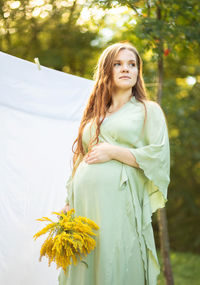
{"points": [[154, 157]]}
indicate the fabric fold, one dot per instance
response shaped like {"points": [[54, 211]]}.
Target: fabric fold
{"points": [[69, 184], [144, 229], [124, 178], [138, 216], [69, 190]]}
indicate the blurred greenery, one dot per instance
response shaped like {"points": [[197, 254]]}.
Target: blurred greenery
{"points": [[185, 268], [70, 35]]}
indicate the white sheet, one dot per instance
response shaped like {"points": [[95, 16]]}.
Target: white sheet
{"points": [[40, 111]]}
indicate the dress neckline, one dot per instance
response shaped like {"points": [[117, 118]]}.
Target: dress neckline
{"points": [[133, 99]]}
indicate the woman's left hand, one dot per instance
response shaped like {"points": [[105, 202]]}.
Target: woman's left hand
{"points": [[99, 153]]}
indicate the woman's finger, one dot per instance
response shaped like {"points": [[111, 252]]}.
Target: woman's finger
{"points": [[92, 160]]}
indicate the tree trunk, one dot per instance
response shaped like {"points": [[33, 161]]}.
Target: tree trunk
{"points": [[161, 216], [164, 246]]}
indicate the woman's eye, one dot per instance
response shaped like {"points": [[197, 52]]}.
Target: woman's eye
{"points": [[118, 64]]}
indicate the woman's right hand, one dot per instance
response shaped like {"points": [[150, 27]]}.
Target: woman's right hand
{"points": [[65, 209]]}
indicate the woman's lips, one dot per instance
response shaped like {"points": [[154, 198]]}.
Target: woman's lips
{"points": [[124, 77]]}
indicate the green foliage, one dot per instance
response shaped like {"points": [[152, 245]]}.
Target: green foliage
{"points": [[56, 37], [185, 267], [184, 196]]}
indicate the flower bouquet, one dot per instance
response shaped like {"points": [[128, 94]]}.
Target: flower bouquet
{"points": [[68, 238]]}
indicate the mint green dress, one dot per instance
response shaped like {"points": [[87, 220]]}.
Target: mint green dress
{"points": [[121, 199]]}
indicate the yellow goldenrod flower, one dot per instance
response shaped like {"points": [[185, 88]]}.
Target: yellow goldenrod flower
{"points": [[68, 239]]}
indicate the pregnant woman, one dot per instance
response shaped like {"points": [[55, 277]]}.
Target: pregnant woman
{"points": [[120, 175]]}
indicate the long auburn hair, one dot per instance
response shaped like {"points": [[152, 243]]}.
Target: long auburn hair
{"points": [[101, 96]]}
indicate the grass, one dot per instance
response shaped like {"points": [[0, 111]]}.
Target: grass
{"points": [[185, 267]]}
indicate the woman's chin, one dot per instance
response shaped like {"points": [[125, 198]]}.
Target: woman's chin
{"points": [[124, 86]]}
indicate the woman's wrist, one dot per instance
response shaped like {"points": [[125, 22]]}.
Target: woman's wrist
{"points": [[113, 151], [123, 155]]}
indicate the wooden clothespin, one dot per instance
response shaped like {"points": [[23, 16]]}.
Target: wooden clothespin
{"points": [[36, 59]]}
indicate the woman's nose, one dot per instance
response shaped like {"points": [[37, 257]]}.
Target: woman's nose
{"points": [[125, 67]]}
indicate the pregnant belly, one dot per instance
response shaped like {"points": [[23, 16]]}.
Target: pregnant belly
{"points": [[96, 173], [97, 179], [99, 196]]}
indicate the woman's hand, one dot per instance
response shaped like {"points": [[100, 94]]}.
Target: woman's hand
{"points": [[65, 210], [103, 152], [99, 153]]}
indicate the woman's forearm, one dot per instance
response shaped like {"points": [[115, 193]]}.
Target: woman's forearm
{"points": [[123, 155]]}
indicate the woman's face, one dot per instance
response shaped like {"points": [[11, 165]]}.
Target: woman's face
{"points": [[125, 70]]}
